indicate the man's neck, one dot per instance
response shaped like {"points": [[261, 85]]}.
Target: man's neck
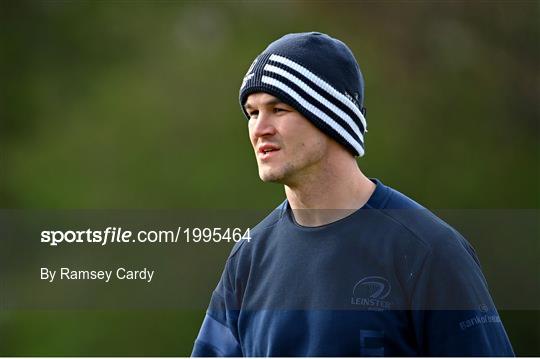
{"points": [[330, 195]]}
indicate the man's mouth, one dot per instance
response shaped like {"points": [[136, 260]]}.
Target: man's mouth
{"points": [[267, 150]]}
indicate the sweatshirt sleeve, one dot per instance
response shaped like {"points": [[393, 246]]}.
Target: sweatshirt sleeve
{"points": [[453, 312], [218, 335]]}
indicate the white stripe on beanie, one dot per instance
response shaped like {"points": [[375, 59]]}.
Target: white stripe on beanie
{"points": [[321, 83], [306, 88]]}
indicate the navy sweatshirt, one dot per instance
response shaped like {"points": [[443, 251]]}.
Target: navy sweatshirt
{"points": [[390, 279]]}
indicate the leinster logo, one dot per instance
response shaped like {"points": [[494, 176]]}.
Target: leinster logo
{"points": [[370, 292]]}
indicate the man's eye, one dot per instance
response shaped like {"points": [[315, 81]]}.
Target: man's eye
{"points": [[277, 109], [253, 114]]}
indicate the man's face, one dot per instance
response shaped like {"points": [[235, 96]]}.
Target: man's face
{"points": [[287, 146]]}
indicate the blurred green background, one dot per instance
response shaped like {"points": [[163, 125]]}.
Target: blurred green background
{"points": [[134, 104]]}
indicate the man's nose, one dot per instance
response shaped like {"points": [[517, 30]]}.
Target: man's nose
{"points": [[264, 125]]}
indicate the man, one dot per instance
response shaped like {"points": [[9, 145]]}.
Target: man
{"points": [[345, 266]]}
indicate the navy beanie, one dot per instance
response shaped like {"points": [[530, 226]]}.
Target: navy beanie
{"points": [[318, 76]]}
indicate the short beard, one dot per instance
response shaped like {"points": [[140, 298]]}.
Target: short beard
{"points": [[280, 177]]}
